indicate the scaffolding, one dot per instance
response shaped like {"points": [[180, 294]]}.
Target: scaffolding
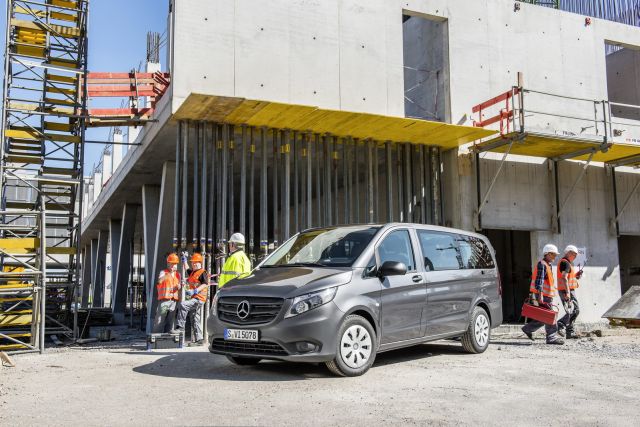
{"points": [[43, 125]]}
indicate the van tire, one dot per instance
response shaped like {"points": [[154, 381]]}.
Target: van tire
{"points": [[476, 339], [243, 361], [338, 365]]}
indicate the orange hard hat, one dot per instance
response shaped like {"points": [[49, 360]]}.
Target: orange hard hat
{"points": [[196, 257], [173, 259]]}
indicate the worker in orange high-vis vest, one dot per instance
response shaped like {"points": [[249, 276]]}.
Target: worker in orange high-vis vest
{"points": [[168, 287], [196, 294], [542, 290], [568, 277]]}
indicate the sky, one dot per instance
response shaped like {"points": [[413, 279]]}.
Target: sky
{"points": [[117, 42]]}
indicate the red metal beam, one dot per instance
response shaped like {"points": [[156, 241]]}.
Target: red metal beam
{"points": [[494, 101]]}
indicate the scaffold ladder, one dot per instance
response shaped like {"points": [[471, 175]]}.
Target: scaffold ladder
{"points": [[43, 122]]}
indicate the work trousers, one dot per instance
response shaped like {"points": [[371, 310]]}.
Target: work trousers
{"points": [[165, 315], [569, 319], [192, 307], [534, 325]]}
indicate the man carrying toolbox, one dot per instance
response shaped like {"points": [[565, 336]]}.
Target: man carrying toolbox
{"points": [[542, 291], [568, 278], [196, 294]]}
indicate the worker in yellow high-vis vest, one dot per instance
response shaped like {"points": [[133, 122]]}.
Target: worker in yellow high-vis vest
{"points": [[237, 262]]}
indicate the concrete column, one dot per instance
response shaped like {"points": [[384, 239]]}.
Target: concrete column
{"points": [[123, 263], [115, 228], [100, 269], [158, 214], [97, 185], [107, 169], [94, 266], [86, 275], [116, 152]]}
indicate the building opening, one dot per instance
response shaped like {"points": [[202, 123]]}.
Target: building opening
{"points": [[623, 69], [513, 254], [426, 68], [629, 262]]}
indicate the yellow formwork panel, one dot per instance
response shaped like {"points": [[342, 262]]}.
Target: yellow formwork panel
{"points": [[24, 11], [65, 91], [38, 52], [57, 30], [303, 118], [25, 133], [64, 3], [64, 16], [19, 246], [59, 101], [65, 63], [31, 36], [18, 158], [61, 251], [554, 146], [16, 318], [59, 127], [61, 79]]}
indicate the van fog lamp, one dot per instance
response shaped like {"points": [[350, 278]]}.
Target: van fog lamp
{"points": [[307, 302]]}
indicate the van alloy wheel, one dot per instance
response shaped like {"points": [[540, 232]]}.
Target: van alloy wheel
{"points": [[355, 347], [482, 330]]}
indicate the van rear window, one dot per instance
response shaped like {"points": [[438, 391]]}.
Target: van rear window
{"points": [[439, 250], [475, 253]]}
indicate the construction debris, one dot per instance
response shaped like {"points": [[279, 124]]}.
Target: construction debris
{"points": [[626, 311]]}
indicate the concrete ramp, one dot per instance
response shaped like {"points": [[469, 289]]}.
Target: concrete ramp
{"points": [[627, 309]]}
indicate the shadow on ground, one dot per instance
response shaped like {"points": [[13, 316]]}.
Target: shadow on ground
{"points": [[204, 365]]}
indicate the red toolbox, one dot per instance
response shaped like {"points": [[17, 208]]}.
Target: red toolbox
{"points": [[541, 314]]}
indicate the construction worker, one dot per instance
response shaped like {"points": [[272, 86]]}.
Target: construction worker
{"points": [[168, 287], [237, 262], [196, 292], [567, 284], [542, 291]]}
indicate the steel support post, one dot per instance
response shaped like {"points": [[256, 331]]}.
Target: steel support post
{"points": [[318, 151], [204, 175], [231, 194], [309, 180], [275, 182], [328, 149], [243, 181], [211, 141], [101, 268], [286, 193], [224, 186], [94, 268], [295, 146], [178, 176], [389, 175], [264, 182], [219, 187], [436, 186], [408, 191], [335, 160], [185, 184], [421, 184], [252, 192], [376, 182], [346, 191], [123, 263], [400, 180], [86, 276], [303, 180], [195, 205], [43, 273], [369, 181]]}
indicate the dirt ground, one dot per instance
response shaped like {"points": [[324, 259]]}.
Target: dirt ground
{"points": [[592, 381]]}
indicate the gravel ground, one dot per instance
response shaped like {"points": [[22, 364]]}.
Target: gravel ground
{"points": [[592, 381]]}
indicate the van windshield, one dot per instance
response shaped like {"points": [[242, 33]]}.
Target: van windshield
{"points": [[327, 247]]}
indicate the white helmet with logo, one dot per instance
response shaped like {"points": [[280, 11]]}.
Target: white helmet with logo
{"points": [[550, 249], [571, 248], [237, 238]]}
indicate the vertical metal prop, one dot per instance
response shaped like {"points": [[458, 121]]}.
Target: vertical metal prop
{"points": [[345, 180], [376, 183], [389, 171], [185, 183], [176, 197], [421, 183], [400, 179], [369, 182], [252, 191], [335, 160], [264, 179], [196, 193], [274, 179], [328, 149], [231, 181], [211, 142], [224, 186], [295, 146], [408, 200], [356, 166], [203, 188], [309, 201], [318, 156], [286, 191], [243, 182]]}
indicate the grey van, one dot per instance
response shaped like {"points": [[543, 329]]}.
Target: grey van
{"points": [[340, 295]]}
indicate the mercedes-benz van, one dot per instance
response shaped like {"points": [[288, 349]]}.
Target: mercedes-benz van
{"points": [[340, 295]]}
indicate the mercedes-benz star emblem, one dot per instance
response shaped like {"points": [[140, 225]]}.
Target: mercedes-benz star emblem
{"points": [[243, 310]]}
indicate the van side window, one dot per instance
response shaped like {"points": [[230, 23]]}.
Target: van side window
{"points": [[397, 247], [475, 253], [440, 251]]}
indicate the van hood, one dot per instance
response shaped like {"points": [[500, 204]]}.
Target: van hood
{"points": [[286, 282]]}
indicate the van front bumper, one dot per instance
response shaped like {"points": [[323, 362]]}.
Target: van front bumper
{"points": [[282, 338]]}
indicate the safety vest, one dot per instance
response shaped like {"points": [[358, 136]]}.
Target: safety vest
{"points": [[194, 282], [168, 286], [572, 280], [548, 287], [236, 265]]}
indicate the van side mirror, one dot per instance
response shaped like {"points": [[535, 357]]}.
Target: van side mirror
{"points": [[392, 268]]}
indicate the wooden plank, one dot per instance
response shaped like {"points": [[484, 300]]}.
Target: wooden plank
{"points": [[6, 359]]}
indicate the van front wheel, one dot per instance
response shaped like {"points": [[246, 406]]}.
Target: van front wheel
{"points": [[478, 335], [355, 349]]}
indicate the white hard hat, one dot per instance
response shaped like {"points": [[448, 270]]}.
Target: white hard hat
{"points": [[550, 249], [571, 248], [237, 238]]}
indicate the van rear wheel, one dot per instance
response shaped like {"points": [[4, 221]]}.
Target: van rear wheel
{"points": [[355, 349], [476, 338]]}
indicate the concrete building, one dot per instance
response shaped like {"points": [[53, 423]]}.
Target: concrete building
{"points": [[310, 113]]}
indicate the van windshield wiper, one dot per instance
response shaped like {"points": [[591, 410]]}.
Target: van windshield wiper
{"points": [[305, 264]]}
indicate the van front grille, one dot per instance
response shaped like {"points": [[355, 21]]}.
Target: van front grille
{"points": [[262, 348], [261, 310]]}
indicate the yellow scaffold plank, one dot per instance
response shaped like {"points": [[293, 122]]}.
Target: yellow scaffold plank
{"points": [[60, 101], [339, 123], [19, 335], [64, 3], [38, 52], [555, 146], [24, 11], [65, 91], [31, 36], [19, 246], [16, 299], [16, 318], [56, 250], [8, 347], [59, 127], [22, 158], [62, 79], [57, 30], [64, 16], [65, 63], [25, 133]]}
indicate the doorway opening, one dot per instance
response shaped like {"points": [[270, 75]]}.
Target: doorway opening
{"points": [[623, 68], [513, 255], [629, 262]]}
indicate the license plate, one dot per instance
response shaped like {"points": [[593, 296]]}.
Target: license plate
{"points": [[240, 335]]}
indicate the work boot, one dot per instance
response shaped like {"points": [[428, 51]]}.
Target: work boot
{"points": [[196, 343], [556, 341], [528, 334], [176, 331], [562, 329], [571, 334]]}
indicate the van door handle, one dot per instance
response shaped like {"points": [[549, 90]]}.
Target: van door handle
{"points": [[416, 278]]}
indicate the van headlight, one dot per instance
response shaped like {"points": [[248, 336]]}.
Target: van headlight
{"points": [[214, 304], [307, 302]]}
